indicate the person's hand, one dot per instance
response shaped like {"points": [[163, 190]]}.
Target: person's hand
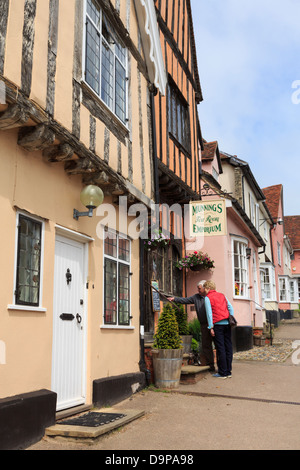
{"points": [[171, 299], [212, 332]]}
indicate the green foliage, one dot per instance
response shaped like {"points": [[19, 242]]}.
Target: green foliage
{"points": [[167, 336], [181, 317], [195, 329], [194, 345]]}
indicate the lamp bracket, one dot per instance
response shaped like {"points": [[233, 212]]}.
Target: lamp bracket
{"points": [[77, 214]]}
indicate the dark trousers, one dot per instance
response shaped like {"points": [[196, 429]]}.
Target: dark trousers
{"points": [[207, 349], [223, 345]]}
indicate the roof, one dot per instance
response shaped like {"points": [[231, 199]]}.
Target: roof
{"points": [[292, 229], [210, 151], [273, 196]]}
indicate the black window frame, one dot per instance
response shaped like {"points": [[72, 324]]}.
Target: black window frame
{"points": [[18, 286], [179, 118]]}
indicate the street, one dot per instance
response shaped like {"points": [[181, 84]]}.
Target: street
{"points": [[257, 409]]}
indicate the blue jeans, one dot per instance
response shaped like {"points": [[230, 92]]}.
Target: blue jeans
{"points": [[223, 345]]}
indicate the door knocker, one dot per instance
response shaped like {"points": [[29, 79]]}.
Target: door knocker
{"points": [[68, 276]]}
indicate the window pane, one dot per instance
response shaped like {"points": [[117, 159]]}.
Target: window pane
{"points": [[93, 11], [110, 314], [124, 250], [92, 73], [28, 264], [120, 52], [107, 75], [120, 91], [179, 123], [110, 246], [240, 269], [124, 290]]}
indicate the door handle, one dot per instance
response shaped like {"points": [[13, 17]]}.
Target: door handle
{"points": [[78, 318]]}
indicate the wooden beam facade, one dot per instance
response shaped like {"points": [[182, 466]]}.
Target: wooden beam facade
{"points": [[46, 89], [177, 111]]}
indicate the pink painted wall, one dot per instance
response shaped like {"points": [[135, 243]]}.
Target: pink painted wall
{"points": [[219, 248]]}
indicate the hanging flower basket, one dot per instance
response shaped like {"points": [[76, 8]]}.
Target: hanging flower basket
{"points": [[196, 261], [158, 239]]}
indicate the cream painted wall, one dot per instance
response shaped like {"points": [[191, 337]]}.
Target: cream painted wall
{"points": [[45, 190]]}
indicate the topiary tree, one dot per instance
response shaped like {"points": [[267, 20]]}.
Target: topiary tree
{"points": [[181, 317], [167, 336]]}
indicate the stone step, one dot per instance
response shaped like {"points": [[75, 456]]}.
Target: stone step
{"points": [[192, 374]]}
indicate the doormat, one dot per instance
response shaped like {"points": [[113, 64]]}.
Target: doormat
{"points": [[93, 419]]}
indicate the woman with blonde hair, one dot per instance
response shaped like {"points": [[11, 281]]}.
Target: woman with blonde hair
{"points": [[218, 308]]}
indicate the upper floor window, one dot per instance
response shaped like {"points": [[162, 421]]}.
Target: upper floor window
{"points": [[254, 212], [279, 253], [178, 113], [28, 269], [240, 266], [105, 61]]}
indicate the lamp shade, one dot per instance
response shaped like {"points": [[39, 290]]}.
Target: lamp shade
{"points": [[91, 196]]}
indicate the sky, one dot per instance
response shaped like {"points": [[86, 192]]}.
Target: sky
{"points": [[248, 54]]}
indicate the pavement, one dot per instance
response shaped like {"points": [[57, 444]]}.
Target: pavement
{"points": [[257, 409]]}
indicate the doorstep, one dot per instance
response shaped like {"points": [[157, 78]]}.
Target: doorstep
{"points": [[192, 374], [90, 433]]}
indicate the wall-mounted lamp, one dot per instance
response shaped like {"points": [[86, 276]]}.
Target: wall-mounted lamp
{"points": [[91, 197], [248, 253], [275, 220]]}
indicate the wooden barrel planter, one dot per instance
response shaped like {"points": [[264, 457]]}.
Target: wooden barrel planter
{"points": [[186, 343], [167, 367]]}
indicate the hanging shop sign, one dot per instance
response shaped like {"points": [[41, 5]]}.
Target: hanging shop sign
{"points": [[208, 218]]}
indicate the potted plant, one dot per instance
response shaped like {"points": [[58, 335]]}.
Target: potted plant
{"points": [[158, 239], [196, 261], [167, 350], [183, 328]]}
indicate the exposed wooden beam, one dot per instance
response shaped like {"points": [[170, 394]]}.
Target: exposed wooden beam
{"points": [[35, 138], [14, 116], [58, 153], [80, 166]]}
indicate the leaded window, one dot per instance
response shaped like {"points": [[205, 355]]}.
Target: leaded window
{"points": [[178, 115], [164, 270], [105, 61], [116, 280], [28, 274]]}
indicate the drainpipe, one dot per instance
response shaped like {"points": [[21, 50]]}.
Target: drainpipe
{"points": [[142, 364], [153, 93]]}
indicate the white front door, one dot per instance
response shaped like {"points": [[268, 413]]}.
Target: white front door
{"points": [[69, 323]]}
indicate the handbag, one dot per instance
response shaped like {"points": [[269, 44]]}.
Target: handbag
{"points": [[232, 320]]}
